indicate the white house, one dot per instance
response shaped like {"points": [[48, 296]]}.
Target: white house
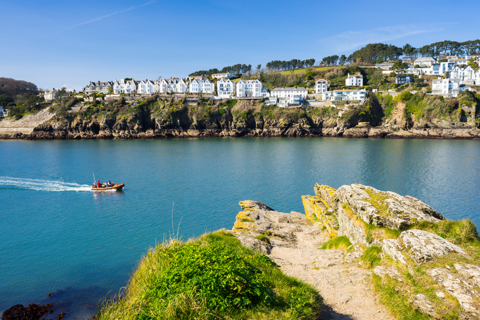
{"points": [[249, 88], [472, 56], [354, 80], [459, 61], [344, 95], [463, 74], [321, 85], [163, 86], [448, 87], [223, 75], [198, 85], [146, 87], [50, 95], [225, 88], [291, 95], [124, 86], [424, 62], [174, 85]]}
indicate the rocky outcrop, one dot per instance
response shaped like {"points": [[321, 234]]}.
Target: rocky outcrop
{"points": [[437, 277], [421, 246], [370, 217], [355, 210]]}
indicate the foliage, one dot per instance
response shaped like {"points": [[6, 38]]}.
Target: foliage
{"points": [[337, 243], [376, 52], [24, 105], [235, 69], [213, 277], [293, 64], [5, 100], [13, 88]]}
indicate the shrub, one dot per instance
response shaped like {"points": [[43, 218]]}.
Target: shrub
{"points": [[213, 277]]}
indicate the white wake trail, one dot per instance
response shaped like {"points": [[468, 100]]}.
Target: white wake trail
{"points": [[41, 185]]}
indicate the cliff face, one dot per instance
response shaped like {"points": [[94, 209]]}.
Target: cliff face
{"points": [[157, 118]]}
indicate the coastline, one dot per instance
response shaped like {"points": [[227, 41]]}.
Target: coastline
{"points": [[359, 133]]}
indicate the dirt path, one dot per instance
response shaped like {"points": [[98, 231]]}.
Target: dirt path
{"points": [[345, 288]]}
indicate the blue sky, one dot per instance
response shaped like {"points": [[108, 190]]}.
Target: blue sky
{"points": [[69, 43]]}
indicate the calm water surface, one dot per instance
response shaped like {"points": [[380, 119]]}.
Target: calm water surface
{"points": [[57, 236]]}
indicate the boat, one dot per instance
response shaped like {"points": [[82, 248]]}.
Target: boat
{"points": [[116, 187]]}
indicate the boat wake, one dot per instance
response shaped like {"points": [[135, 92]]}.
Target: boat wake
{"points": [[41, 185]]}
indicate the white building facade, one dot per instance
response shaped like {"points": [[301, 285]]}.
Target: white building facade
{"points": [[201, 86], [345, 95], [321, 86], [354, 80], [290, 95], [466, 74], [124, 86], [225, 88], [448, 87], [50, 95], [146, 87], [424, 62], [249, 89]]}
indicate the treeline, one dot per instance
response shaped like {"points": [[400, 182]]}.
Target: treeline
{"points": [[235, 69], [292, 64], [379, 52], [13, 88]]}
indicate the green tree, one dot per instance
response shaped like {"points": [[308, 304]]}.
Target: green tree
{"points": [[5, 100]]}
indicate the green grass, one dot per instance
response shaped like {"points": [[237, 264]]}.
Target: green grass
{"points": [[263, 238], [213, 277], [459, 232], [397, 303], [337, 243], [371, 256]]}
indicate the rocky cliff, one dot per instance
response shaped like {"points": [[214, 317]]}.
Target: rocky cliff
{"points": [[157, 117], [423, 265]]}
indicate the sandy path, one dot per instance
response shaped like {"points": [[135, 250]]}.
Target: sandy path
{"points": [[345, 288]]}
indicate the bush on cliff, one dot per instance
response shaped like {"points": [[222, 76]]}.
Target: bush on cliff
{"points": [[213, 277]]}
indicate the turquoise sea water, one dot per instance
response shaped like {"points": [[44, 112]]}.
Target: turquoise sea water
{"points": [[57, 236]]}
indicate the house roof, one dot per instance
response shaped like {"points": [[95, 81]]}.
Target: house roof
{"points": [[320, 80]]}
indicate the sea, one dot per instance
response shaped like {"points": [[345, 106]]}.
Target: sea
{"points": [[59, 237]]}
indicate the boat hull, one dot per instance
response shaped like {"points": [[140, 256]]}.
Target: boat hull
{"points": [[116, 187]]}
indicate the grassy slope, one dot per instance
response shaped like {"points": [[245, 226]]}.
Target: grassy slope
{"points": [[213, 277]]}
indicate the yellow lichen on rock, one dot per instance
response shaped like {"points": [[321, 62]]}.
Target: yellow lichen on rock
{"points": [[320, 214], [246, 218]]}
